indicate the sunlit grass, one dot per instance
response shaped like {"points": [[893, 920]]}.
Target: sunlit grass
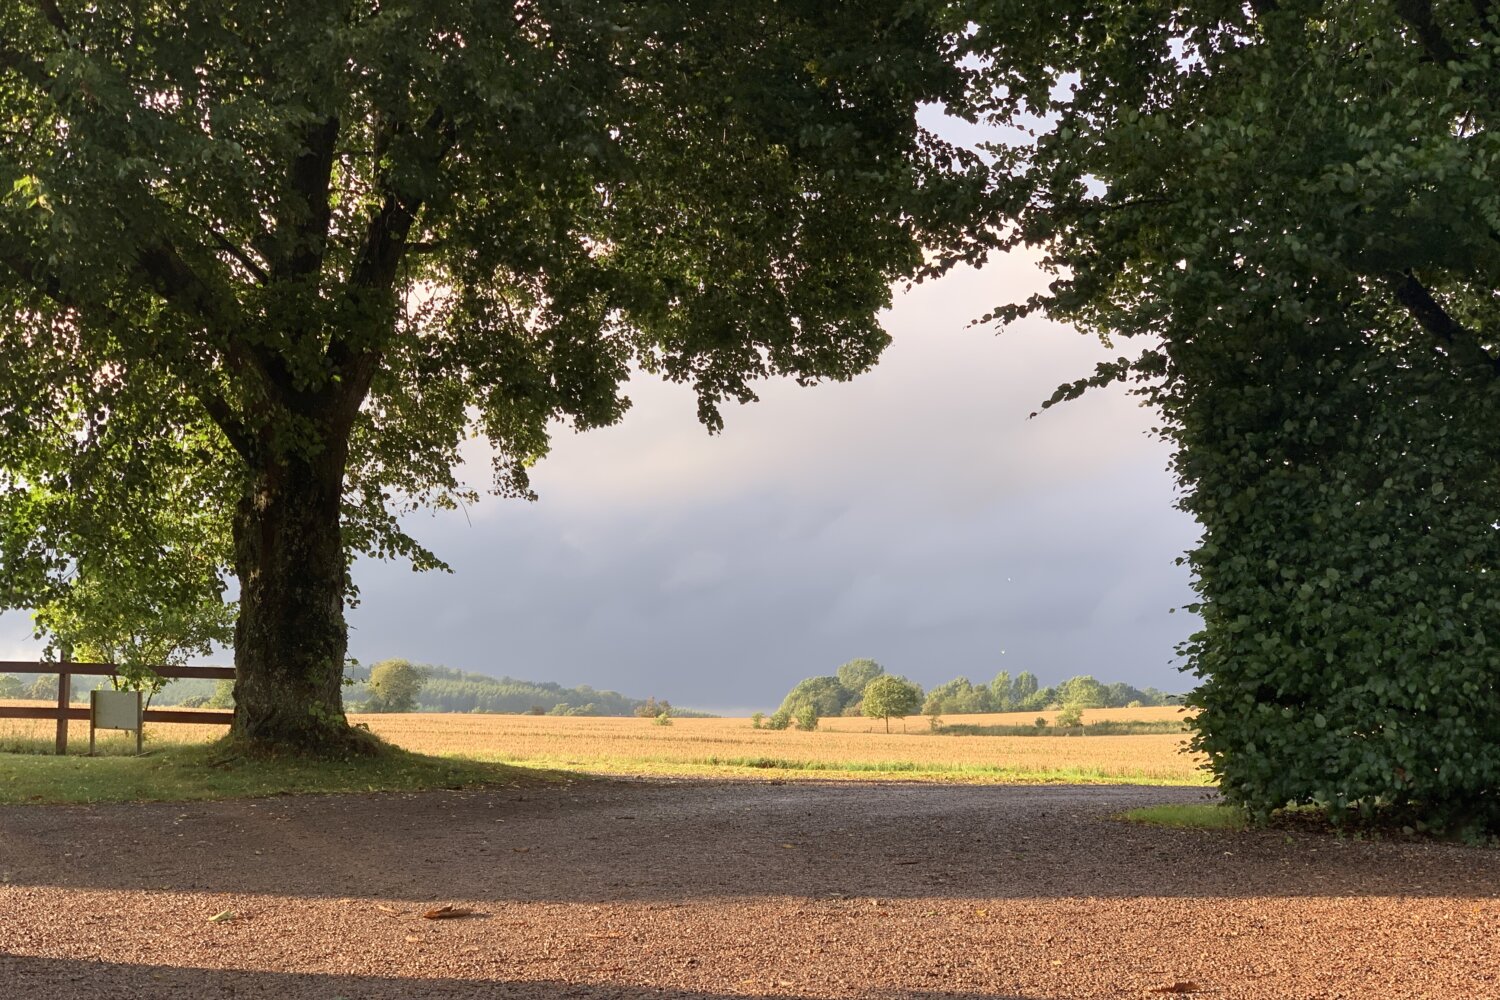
{"points": [[1192, 816], [183, 773]]}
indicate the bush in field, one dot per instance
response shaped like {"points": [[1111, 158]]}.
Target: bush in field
{"points": [[779, 719], [888, 695], [1041, 722], [1070, 717], [825, 694], [651, 708], [394, 686], [807, 717], [223, 696], [757, 720], [664, 719]]}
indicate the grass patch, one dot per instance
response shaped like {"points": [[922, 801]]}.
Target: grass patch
{"points": [[1198, 816], [197, 772]]}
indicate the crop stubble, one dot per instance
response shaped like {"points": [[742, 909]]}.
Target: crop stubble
{"points": [[731, 746]]}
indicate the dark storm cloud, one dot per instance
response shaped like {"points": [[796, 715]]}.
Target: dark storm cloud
{"points": [[915, 515]]}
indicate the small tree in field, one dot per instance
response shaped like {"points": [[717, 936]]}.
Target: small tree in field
{"points": [[807, 717], [887, 695], [394, 686]]}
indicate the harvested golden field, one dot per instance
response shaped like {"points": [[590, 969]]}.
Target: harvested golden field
{"points": [[732, 747], [39, 734], [851, 747]]}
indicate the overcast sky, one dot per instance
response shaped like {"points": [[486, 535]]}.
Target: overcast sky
{"points": [[915, 515]]}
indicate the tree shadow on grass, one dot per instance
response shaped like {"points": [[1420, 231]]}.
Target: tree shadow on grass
{"points": [[677, 841], [28, 978]]}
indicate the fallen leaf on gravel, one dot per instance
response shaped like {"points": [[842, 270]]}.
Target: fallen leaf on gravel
{"points": [[388, 909], [446, 912], [223, 916], [1186, 986], [414, 939], [789, 847]]}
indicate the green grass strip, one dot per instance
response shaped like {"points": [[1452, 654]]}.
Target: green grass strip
{"points": [[1198, 816], [189, 773]]}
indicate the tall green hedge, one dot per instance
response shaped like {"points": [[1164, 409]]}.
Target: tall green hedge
{"points": [[1349, 574]]}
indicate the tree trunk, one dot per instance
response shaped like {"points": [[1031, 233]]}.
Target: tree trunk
{"points": [[291, 639]]}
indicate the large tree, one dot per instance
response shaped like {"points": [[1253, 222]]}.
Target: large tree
{"points": [[1290, 209], [280, 260]]}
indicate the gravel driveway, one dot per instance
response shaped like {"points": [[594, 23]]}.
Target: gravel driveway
{"points": [[709, 890]]}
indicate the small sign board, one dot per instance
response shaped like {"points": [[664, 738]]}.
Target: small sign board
{"points": [[115, 710]]}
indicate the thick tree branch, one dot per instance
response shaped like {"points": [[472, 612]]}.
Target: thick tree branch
{"points": [[179, 284], [246, 261], [374, 274], [230, 425], [53, 15], [31, 70], [1418, 14], [385, 241], [302, 226], [1458, 339], [214, 404]]}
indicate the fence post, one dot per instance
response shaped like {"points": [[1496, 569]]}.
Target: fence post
{"points": [[64, 691]]}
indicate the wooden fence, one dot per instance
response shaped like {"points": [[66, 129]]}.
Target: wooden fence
{"points": [[63, 712]]}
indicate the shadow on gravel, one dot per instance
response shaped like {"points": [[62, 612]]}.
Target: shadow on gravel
{"points": [[62, 979], [679, 841]]}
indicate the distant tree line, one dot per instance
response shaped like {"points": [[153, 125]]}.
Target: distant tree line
{"points": [[397, 685], [1023, 693], [844, 694], [445, 689]]}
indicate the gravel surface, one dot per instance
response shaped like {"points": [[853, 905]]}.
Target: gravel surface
{"points": [[707, 890]]}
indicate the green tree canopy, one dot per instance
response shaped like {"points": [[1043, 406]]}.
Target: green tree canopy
{"points": [[1000, 692], [959, 697], [1025, 694], [855, 674], [279, 267], [1287, 213], [1082, 692], [888, 696]]}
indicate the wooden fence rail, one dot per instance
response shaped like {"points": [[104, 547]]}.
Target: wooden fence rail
{"points": [[63, 712]]}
